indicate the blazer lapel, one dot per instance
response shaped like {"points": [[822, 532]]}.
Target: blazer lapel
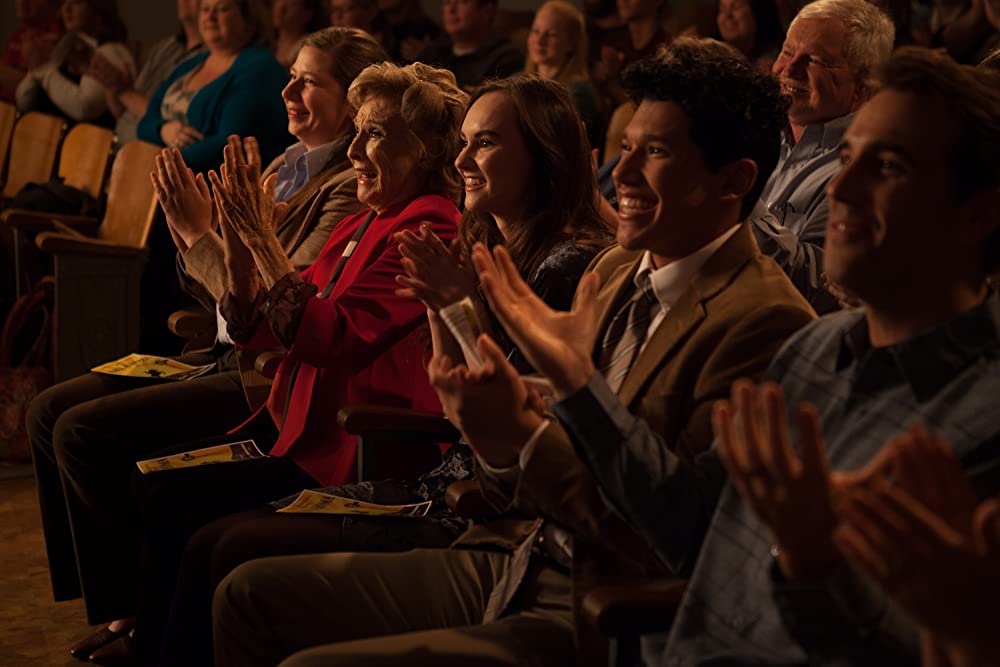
{"points": [[685, 315], [297, 221]]}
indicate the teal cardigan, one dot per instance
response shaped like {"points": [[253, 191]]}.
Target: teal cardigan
{"points": [[244, 100]]}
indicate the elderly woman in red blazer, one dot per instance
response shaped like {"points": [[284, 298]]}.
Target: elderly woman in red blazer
{"points": [[349, 337]]}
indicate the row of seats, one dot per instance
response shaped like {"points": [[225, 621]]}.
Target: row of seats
{"points": [[97, 262]]}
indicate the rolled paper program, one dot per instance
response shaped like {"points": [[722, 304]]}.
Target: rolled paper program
{"points": [[463, 323]]}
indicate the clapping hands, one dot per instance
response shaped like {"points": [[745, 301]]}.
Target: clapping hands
{"points": [[245, 204], [558, 344], [184, 198], [927, 540], [435, 274], [795, 494]]}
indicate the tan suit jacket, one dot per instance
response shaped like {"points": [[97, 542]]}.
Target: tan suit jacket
{"points": [[304, 227], [737, 312]]}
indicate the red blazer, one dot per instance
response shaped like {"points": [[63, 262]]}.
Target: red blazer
{"points": [[363, 344]]}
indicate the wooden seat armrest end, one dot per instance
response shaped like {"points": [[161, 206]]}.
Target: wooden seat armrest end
{"points": [[465, 499], [40, 221], [190, 323], [364, 419], [56, 243], [633, 609], [267, 363]]}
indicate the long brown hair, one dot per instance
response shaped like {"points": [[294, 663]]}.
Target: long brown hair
{"points": [[560, 206]]}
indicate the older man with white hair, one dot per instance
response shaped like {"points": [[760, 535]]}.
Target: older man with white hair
{"points": [[830, 52]]}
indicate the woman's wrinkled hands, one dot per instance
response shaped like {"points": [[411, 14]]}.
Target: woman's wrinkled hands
{"points": [[247, 206], [185, 198], [435, 274], [242, 277], [176, 134]]}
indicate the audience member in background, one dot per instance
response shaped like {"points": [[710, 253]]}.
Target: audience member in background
{"points": [[233, 88], [687, 304], [293, 20], [968, 30], [557, 49], [832, 50], [752, 26], [528, 183], [919, 188], [602, 18], [87, 433], [470, 48], [360, 14], [30, 44], [356, 341], [128, 99], [407, 29], [933, 546], [640, 37], [63, 84]]}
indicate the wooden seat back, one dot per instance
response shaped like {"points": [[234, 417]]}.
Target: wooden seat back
{"points": [[8, 116], [131, 200], [83, 160], [33, 150]]}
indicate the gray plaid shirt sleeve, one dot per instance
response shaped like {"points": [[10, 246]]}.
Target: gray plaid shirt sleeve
{"points": [[639, 476]]}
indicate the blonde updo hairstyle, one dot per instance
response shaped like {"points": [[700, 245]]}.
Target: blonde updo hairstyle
{"points": [[432, 106]]}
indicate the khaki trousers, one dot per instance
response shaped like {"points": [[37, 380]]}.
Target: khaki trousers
{"points": [[422, 607]]}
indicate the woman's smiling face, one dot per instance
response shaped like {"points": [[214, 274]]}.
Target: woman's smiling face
{"points": [[386, 155]]}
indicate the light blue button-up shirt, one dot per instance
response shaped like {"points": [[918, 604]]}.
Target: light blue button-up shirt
{"points": [[301, 165], [796, 191]]}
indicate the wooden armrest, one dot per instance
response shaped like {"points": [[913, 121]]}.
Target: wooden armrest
{"points": [[466, 500], [633, 609], [55, 243], [362, 419], [190, 323], [40, 221], [267, 363]]}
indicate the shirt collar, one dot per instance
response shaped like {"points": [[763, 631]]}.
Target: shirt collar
{"points": [[821, 136], [315, 159], [671, 281], [933, 358]]}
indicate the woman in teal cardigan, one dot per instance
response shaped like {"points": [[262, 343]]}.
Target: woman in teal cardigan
{"points": [[233, 88]]}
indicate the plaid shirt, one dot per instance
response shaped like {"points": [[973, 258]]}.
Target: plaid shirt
{"points": [[738, 610]]}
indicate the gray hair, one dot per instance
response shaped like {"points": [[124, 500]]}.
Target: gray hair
{"points": [[870, 32]]}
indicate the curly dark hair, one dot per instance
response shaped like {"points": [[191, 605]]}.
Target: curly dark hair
{"points": [[734, 111]]}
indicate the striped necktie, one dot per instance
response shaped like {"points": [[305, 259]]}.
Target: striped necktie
{"points": [[626, 333]]}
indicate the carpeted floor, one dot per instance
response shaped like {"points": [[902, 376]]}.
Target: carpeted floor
{"points": [[34, 630]]}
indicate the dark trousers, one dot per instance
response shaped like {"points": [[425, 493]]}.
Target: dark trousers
{"points": [[86, 435], [219, 547], [176, 503]]}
